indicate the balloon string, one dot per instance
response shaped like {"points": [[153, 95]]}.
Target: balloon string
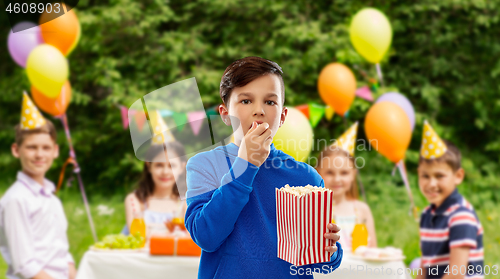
{"points": [[70, 160], [361, 186], [402, 171], [72, 154], [379, 73]]}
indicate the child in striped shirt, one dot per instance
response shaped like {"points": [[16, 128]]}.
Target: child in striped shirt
{"points": [[451, 235]]}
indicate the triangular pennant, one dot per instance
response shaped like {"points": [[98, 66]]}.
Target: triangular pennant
{"points": [[195, 120], [31, 118], [166, 112], [329, 112], [180, 120], [347, 140], [315, 113], [432, 145], [304, 109], [365, 93], [140, 119], [124, 113], [212, 110]]}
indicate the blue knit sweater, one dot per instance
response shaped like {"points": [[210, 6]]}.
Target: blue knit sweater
{"points": [[231, 214]]}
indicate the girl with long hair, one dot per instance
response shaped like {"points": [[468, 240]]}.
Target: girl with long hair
{"points": [[157, 198]]}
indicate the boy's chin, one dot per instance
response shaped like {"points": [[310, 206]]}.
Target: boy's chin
{"points": [[435, 200], [36, 170]]}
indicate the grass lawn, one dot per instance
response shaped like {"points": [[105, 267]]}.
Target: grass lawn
{"points": [[389, 206]]}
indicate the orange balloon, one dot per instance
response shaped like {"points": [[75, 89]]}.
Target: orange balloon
{"points": [[61, 32], [53, 106], [337, 87], [388, 130]]}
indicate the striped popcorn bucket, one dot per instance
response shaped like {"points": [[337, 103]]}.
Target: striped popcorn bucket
{"points": [[302, 222]]}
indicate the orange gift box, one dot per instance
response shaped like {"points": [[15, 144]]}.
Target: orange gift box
{"points": [[302, 222], [187, 247], [173, 246]]}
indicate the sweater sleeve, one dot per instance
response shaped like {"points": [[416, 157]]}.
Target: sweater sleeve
{"points": [[214, 206], [333, 264]]}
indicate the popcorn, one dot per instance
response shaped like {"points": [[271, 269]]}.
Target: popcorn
{"points": [[302, 216], [302, 190]]}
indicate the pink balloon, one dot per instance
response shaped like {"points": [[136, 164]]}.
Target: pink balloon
{"points": [[21, 43]]}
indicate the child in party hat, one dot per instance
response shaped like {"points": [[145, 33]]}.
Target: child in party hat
{"points": [[337, 166], [231, 195], [33, 225], [451, 235], [157, 197]]}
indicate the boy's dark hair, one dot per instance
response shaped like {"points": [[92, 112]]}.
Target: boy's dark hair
{"points": [[451, 157], [245, 70], [47, 128]]}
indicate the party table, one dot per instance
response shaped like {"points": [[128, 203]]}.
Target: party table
{"points": [[123, 265], [105, 265], [353, 267]]}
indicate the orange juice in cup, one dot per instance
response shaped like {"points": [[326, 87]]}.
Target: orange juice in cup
{"points": [[138, 225], [177, 221], [359, 236]]}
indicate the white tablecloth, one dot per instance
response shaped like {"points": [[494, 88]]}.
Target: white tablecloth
{"points": [[108, 265], [351, 267], [136, 265]]}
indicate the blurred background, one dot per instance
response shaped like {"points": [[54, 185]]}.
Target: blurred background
{"points": [[444, 57]]}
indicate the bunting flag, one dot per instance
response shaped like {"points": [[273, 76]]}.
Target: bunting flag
{"points": [[212, 111], [124, 113], [140, 119], [180, 120], [316, 112], [195, 120], [304, 109], [166, 112], [329, 112], [373, 84], [364, 93]]}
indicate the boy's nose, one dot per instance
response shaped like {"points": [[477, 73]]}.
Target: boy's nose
{"points": [[433, 183], [258, 110], [38, 153]]}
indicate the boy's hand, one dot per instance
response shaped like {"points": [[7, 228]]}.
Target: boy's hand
{"points": [[333, 235], [255, 146]]}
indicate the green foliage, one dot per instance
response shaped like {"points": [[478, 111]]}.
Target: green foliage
{"points": [[445, 58]]}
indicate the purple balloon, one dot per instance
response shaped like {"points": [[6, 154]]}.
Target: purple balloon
{"points": [[21, 43], [401, 101]]}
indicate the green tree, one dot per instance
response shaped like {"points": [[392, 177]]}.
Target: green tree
{"points": [[445, 58]]}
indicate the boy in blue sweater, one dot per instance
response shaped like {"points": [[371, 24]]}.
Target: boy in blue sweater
{"points": [[231, 210]]}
